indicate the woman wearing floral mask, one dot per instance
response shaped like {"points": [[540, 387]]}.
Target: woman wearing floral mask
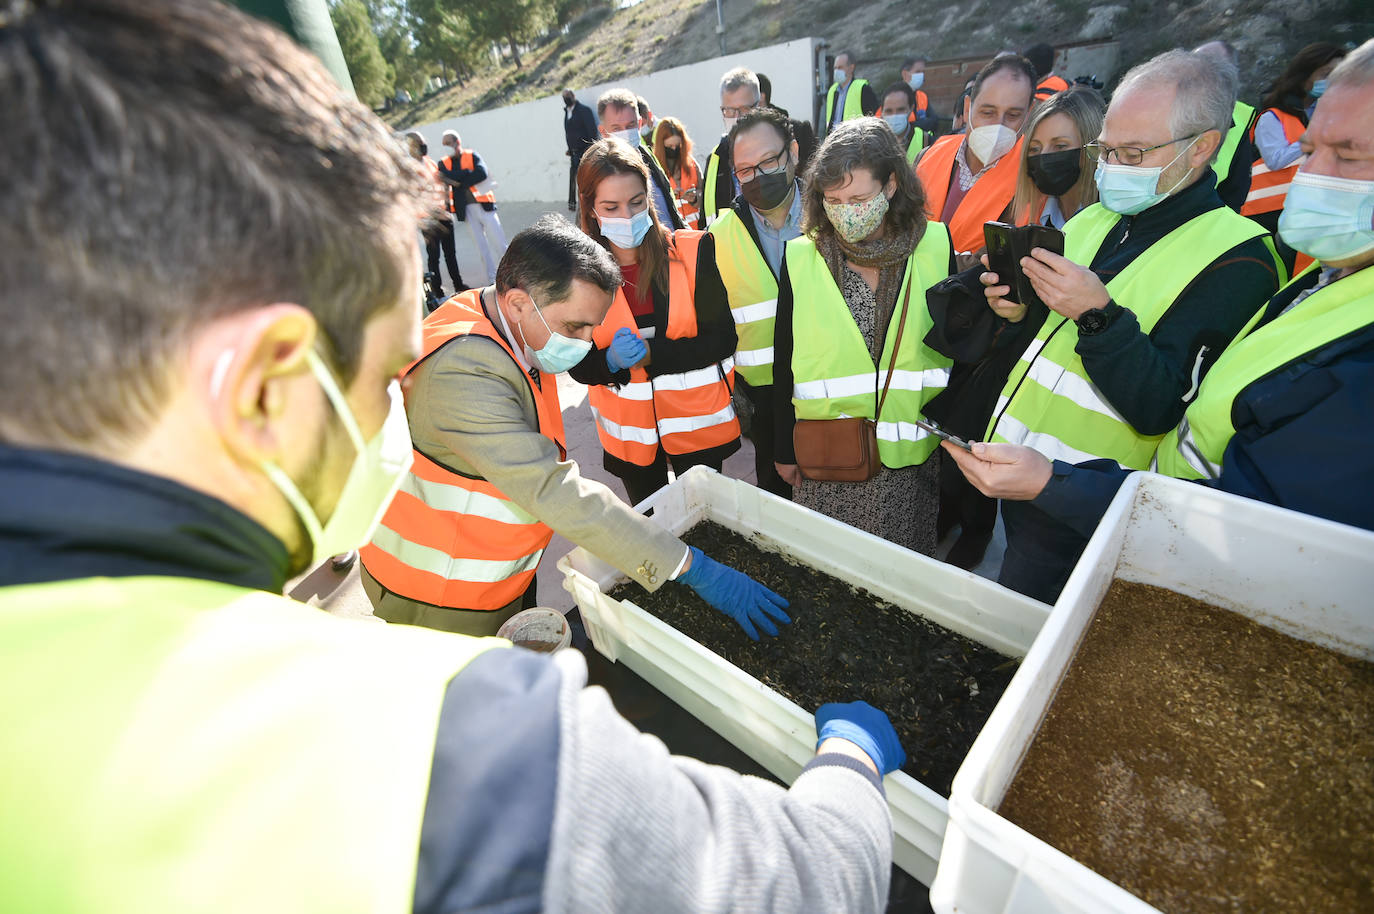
{"points": [[1056, 178], [866, 258], [662, 369]]}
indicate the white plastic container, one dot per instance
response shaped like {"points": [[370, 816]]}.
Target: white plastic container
{"points": [[1308, 578], [769, 728]]}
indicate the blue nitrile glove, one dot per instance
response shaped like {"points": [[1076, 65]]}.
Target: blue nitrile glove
{"points": [[864, 726], [627, 348], [737, 595]]}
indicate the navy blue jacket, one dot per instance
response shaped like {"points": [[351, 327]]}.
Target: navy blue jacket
{"points": [[1303, 439], [580, 129]]}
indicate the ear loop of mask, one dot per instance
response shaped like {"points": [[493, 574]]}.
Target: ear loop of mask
{"points": [[289, 490]]}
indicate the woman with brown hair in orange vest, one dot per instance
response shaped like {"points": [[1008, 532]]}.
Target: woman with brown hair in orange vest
{"points": [[1287, 109], [662, 369]]}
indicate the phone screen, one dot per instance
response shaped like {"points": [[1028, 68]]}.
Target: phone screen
{"points": [[1003, 257]]}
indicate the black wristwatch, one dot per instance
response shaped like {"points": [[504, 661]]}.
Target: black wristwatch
{"points": [[1091, 323]]}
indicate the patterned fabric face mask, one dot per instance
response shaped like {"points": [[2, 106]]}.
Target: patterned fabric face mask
{"points": [[856, 221]]}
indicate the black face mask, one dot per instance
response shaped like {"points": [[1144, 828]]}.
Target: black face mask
{"points": [[672, 154], [765, 192], [1053, 173]]}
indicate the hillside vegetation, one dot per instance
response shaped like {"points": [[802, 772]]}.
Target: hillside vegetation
{"points": [[604, 43]]}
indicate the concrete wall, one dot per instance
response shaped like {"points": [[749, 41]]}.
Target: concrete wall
{"points": [[523, 144]]}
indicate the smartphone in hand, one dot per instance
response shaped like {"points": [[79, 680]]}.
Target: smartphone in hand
{"points": [[943, 435], [1007, 244]]}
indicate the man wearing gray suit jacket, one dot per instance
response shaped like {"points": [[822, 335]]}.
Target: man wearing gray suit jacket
{"points": [[472, 412]]}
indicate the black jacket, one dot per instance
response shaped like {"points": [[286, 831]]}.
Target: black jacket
{"points": [[715, 341], [580, 129], [1145, 377], [465, 180]]}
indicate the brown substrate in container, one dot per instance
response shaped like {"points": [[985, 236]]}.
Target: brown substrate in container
{"points": [[845, 644], [1207, 763]]}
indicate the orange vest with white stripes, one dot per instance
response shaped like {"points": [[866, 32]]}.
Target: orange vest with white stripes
{"points": [[688, 411], [985, 201], [691, 177], [453, 540], [466, 164], [1268, 189], [442, 195]]}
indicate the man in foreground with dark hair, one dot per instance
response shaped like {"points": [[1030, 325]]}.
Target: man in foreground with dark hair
{"points": [[201, 401]]}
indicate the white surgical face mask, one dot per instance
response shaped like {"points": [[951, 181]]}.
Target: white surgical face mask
{"points": [[917, 80], [989, 143], [730, 123], [1131, 189], [560, 352], [630, 135], [839, 75], [1327, 218], [626, 233], [378, 468], [897, 122]]}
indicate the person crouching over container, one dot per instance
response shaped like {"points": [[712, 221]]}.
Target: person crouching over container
{"points": [[849, 338], [662, 370]]}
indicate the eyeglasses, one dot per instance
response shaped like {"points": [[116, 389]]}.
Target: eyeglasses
{"points": [[738, 112], [1127, 155], [769, 166]]}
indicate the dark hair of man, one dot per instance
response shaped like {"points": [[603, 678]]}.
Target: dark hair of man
{"points": [[1041, 56], [911, 62], [765, 89], [168, 163], [641, 106], [1289, 91], [770, 116], [866, 143], [903, 89], [1013, 63], [611, 156], [616, 98], [544, 259]]}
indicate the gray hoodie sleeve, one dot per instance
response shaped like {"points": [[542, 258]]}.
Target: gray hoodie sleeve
{"points": [[637, 829]]}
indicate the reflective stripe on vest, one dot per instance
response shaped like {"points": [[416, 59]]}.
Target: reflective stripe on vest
{"points": [[833, 373], [1049, 402], [1241, 116], [986, 199], [454, 540], [853, 102], [467, 164], [1268, 189], [686, 411], [1196, 447], [753, 292], [198, 747]]}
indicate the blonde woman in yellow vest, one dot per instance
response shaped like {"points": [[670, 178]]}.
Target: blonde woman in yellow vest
{"points": [[662, 369], [866, 243]]}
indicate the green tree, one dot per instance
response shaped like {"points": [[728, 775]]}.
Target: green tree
{"points": [[372, 77], [509, 21], [445, 38]]}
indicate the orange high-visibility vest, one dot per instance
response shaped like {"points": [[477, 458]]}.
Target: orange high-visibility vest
{"points": [[691, 177], [1268, 189], [466, 164], [1049, 86], [453, 540], [441, 195], [446, 188], [985, 200], [688, 411]]}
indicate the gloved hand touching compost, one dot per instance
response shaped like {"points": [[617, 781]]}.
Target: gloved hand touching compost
{"points": [[626, 349], [737, 595], [866, 727]]}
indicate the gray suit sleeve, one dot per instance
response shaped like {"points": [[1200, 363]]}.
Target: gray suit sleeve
{"points": [[637, 829], [471, 411]]}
